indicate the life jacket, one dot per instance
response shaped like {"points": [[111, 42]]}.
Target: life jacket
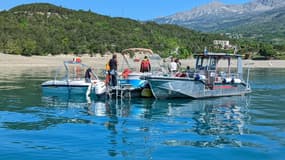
{"points": [[126, 73], [107, 79], [107, 67], [145, 64], [77, 59], [108, 76]]}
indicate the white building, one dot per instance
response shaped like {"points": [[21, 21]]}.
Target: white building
{"points": [[222, 43]]}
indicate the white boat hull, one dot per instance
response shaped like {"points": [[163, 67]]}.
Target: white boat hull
{"points": [[65, 87], [73, 87]]}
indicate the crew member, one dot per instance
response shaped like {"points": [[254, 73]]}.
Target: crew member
{"points": [[145, 65]]}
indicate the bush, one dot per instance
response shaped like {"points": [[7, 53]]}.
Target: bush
{"points": [[267, 50]]}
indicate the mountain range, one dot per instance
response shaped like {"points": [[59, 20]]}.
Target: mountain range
{"points": [[259, 19]]}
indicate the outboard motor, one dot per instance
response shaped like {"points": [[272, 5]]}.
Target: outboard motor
{"points": [[100, 88]]}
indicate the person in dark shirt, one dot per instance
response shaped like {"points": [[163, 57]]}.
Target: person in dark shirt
{"points": [[88, 75], [113, 70]]}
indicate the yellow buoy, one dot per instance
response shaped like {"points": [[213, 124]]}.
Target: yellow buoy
{"points": [[146, 92]]}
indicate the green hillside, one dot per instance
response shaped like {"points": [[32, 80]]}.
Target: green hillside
{"points": [[41, 29], [267, 27]]}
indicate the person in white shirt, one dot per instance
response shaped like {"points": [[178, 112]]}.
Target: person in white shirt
{"points": [[172, 66]]}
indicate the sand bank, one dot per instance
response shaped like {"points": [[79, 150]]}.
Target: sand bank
{"points": [[98, 61]]}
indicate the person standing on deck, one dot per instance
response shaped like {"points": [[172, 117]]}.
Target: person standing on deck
{"points": [[164, 66], [113, 63], [172, 66], [178, 64], [88, 75], [145, 65]]}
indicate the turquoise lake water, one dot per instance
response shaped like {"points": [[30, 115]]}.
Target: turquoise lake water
{"points": [[36, 126]]}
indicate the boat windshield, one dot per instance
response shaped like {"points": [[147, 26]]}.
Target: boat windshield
{"points": [[206, 63], [73, 71], [222, 64]]}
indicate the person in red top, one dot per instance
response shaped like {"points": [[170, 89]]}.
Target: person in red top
{"points": [[145, 65]]}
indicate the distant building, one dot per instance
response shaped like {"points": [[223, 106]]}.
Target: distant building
{"points": [[222, 43]]}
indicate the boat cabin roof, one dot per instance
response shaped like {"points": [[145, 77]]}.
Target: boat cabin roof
{"points": [[211, 61]]}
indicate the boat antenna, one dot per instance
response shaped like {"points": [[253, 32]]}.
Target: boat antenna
{"points": [[247, 79]]}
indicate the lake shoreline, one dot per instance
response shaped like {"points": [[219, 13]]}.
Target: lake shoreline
{"points": [[98, 61]]}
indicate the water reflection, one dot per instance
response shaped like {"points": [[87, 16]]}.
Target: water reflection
{"points": [[121, 107], [138, 126], [225, 117], [216, 122], [67, 101], [204, 123]]}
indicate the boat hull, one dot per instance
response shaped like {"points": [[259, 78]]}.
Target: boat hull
{"points": [[135, 79], [64, 87], [177, 87], [136, 83]]}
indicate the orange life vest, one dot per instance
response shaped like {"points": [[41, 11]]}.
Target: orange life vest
{"points": [[107, 67], [126, 73], [77, 59]]}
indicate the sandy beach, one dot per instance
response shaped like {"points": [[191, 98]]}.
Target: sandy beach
{"points": [[98, 61]]}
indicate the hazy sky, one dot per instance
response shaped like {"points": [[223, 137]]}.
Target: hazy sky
{"points": [[134, 9]]}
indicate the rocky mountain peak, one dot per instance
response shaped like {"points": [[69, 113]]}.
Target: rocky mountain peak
{"points": [[213, 8], [219, 9], [235, 18]]}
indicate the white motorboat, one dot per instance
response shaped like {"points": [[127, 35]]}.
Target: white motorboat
{"points": [[74, 81]]}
